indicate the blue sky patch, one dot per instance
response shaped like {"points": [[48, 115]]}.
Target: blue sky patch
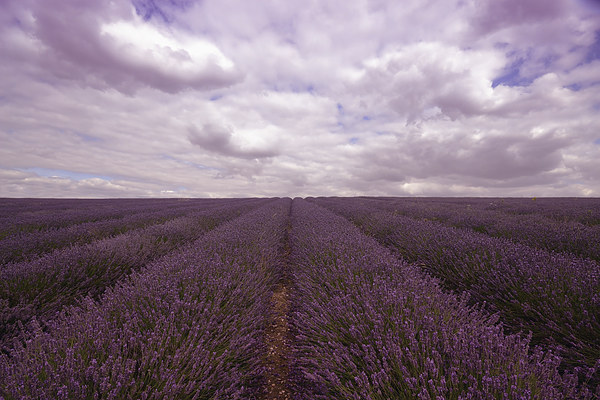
{"points": [[88, 138], [512, 76], [147, 9], [61, 173], [594, 50], [190, 163], [576, 87]]}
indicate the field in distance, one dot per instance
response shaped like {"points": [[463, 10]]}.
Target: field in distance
{"points": [[316, 298]]}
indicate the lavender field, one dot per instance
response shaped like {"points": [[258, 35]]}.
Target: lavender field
{"points": [[317, 298]]}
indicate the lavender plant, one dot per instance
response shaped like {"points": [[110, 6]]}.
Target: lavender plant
{"points": [[533, 230], [44, 286], [369, 326], [188, 326], [574, 209], [47, 214], [29, 245], [554, 296]]}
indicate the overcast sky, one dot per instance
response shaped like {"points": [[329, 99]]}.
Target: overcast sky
{"points": [[225, 98]]}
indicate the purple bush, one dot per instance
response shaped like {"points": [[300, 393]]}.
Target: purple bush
{"points": [[31, 215], [186, 308], [187, 326], [25, 245], [370, 326], [489, 217], [554, 296], [42, 287]]}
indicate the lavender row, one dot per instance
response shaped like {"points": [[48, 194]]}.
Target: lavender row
{"points": [[27, 245], [369, 326], [48, 213], [554, 296], [573, 209], [530, 229], [81, 211], [561, 209], [188, 326], [10, 207], [44, 286]]}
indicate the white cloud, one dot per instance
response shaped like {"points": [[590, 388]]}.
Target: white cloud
{"points": [[228, 98], [142, 44]]}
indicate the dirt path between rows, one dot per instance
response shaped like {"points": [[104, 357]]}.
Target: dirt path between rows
{"points": [[278, 346], [277, 334]]}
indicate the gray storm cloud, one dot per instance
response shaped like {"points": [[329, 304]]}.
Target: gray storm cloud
{"points": [[217, 139], [494, 159], [501, 14], [221, 98], [72, 45]]}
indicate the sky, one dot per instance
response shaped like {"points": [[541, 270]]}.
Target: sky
{"points": [[233, 98]]}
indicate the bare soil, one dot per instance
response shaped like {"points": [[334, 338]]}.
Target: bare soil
{"points": [[277, 334], [277, 337]]}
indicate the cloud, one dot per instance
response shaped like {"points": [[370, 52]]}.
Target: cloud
{"points": [[105, 44], [494, 159], [502, 14], [229, 98], [30, 184], [217, 139], [164, 10], [431, 78]]}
